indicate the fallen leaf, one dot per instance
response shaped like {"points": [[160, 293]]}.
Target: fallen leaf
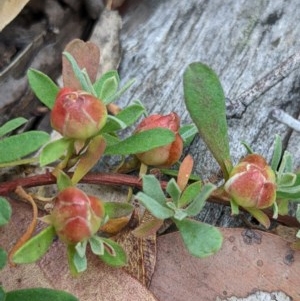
{"points": [[141, 252], [249, 260], [9, 9], [87, 55], [100, 282]]}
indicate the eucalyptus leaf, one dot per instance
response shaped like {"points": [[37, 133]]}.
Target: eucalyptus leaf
{"points": [[152, 187], [5, 211], [117, 209], [141, 142], [201, 239], [205, 101], [156, 209], [3, 259], [173, 190], [277, 153], [11, 125], [198, 203], [118, 258], [189, 193], [43, 87], [54, 150], [36, 247], [15, 147], [38, 294]]}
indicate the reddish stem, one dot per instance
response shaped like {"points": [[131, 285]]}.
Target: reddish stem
{"points": [[117, 180]]}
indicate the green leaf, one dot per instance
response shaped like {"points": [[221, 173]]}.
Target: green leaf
{"points": [[11, 125], [248, 148], [198, 203], [260, 216], [277, 153], [71, 251], [81, 248], [15, 147], [2, 294], [156, 209], [189, 194], [107, 85], [80, 262], [287, 179], [97, 245], [290, 193], [152, 187], [63, 180], [5, 211], [80, 74], [117, 209], [201, 239], [89, 159], [188, 133], [173, 190], [120, 91], [141, 142], [54, 150], [3, 258], [298, 213], [125, 118], [38, 294], [205, 101], [43, 87], [114, 255], [36, 247]]}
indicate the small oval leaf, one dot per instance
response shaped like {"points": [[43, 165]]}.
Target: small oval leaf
{"points": [[205, 101], [141, 142], [11, 125], [36, 247], [117, 258], [15, 147], [201, 239], [38, 294], [43, 87], [5, 211]]}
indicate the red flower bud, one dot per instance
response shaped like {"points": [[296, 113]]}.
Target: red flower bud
{"points": [[76, 216], [77, 114], [252, 183], [164, 155]]}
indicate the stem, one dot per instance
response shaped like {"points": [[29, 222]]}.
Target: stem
{"points": [[219, 196], [22, 240], [20, 162]]}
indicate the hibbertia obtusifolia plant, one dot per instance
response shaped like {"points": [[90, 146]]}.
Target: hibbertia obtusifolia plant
{"points": [[91, 126]]}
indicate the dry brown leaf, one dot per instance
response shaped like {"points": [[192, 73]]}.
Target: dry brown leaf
{"points": [[87, 55], [9, 9], [99, 282], [248, 261], [141, 252]]}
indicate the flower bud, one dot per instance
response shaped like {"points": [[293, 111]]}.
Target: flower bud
{"points": [[252, 183], [164, 155], [77, 114], [76, 216]]}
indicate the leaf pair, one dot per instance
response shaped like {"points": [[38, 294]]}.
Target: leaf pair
{"points": [[179, 208]]}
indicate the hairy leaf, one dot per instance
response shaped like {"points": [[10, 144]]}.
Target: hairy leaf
{"points": [[11, 125], [15, 147], [205, 101], [43, 87]]}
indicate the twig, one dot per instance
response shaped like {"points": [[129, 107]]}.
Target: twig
{"points": [[236, 108], [21, 192]]}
